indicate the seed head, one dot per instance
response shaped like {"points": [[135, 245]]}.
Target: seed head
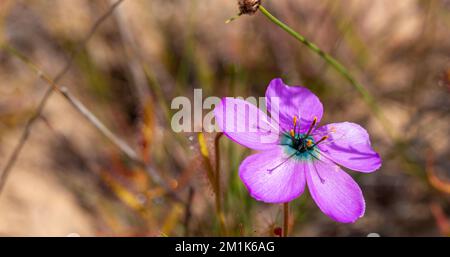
{"points": [[249, 7]]}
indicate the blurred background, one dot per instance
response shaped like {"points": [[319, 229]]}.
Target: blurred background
{"points": [[126, 61]]}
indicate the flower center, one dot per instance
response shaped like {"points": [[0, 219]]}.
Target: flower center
{"points": [[301, 146]]}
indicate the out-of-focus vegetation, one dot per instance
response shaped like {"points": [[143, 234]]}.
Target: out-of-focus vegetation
{"points": [[69, 178]]}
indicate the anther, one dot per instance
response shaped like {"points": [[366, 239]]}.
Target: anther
{"points": [[295, 123], [313, 124], [320, 141], [292, 133]]}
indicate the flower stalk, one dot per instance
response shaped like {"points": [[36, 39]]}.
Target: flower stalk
{"points": [[285, 219], [214, 176], [367, 97]]}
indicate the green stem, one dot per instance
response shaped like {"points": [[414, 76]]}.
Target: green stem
{"points": [[336, 65]]}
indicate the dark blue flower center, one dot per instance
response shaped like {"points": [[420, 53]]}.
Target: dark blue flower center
{"points": [[298, 146], [301, 147]]}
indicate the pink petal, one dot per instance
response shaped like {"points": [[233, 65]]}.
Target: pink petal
{"points": [[290, 101], [335, 192], [349, 145], [245, 124], [281, 185]]}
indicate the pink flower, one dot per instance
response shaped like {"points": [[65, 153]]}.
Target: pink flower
{"points": [[295, 152]]}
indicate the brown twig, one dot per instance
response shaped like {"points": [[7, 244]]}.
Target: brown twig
{"points": [[28, 126], [89, 116], [122, 145], [135, 67]]}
